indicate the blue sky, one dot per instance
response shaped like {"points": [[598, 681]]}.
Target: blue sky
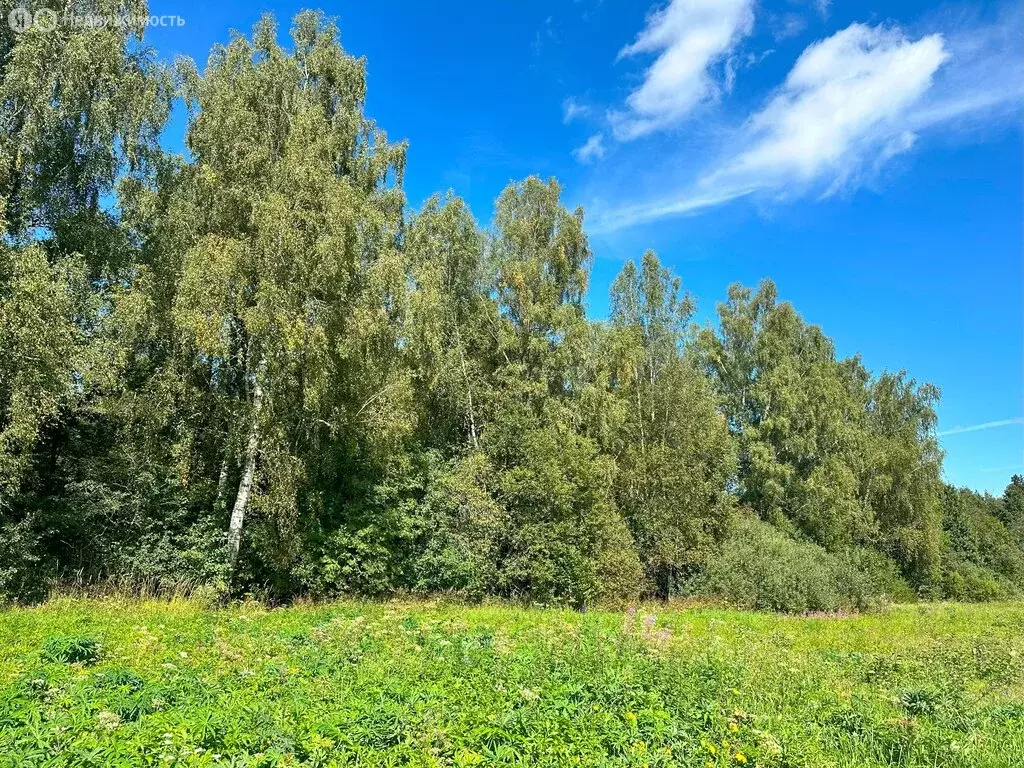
{"points": [[867, 156]]}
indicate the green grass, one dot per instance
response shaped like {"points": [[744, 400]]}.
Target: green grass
{"points": [[116, 682]]}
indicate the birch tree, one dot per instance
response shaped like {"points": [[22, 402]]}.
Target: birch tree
{"points": [[290, 281], [672, 446]]}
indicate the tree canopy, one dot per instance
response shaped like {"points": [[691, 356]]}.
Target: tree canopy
{"points": [[253, 367]]}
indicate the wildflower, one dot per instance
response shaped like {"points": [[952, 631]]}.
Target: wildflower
{"points": [[108, 721], [740, 758], [712, 749], [733, 727]]}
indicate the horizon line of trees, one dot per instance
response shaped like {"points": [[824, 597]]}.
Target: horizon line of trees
{"points": [[252, 368]]}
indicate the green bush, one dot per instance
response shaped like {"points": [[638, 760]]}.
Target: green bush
{"points": [[967, 581], [565, 534], [882, 575], [464, 527], [20, 576], [762, 568], [531, 517], [982, 559]]}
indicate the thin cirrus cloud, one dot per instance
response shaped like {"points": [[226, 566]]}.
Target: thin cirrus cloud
{"points": [[979, 427], [851, 103], [691, 38], [572, 109]]}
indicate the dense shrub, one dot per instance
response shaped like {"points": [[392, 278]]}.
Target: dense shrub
{"points": [[760, 567], [21, 576], [982, 559], [530, 517], [964, 580], [463, 530], [882, 574]]}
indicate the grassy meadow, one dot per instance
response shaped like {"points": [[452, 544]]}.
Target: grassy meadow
{"points": [[117, 682]]}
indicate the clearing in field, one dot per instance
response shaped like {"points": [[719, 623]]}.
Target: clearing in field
{"points": [[124, 683]]}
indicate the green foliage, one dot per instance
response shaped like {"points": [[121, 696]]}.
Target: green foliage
{"points": [[251, 369], [983, 558], [429, 686], [40, 352], [847, 458], [672, 446], [1012, 510], [21, 576], [71, 650], [464, 527], [565, 540], [762, 568], [529, 517]]}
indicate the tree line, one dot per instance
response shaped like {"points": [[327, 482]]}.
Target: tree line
{"points": [[253, 368]]}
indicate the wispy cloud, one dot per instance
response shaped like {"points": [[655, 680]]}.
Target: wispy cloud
{"points": [[573, 109], [850, 104], [786, 25], [979, 427], [1004, 468], [592, 150], [690, 37], [844, 102], [547, 32]]}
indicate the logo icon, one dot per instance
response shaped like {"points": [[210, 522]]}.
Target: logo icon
{"points": [[45, 20], [19, 19]]}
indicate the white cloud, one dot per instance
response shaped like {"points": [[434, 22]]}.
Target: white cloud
{"points": [[691, 37], [979, 427], [572, 109], [787, 25], [851, 103], [592, 150], [845, 103]]}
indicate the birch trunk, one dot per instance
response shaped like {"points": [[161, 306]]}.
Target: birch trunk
{"points": [[221, 502], [251, 449]]}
